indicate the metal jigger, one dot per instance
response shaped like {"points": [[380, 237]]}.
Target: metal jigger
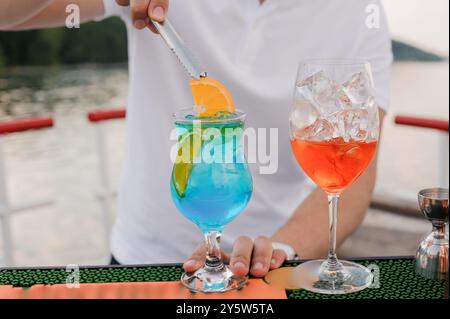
{"points": [[432, 254]]}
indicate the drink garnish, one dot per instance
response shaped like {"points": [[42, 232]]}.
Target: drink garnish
{"points": [[211, 97], [182, 168], [212, 102]]}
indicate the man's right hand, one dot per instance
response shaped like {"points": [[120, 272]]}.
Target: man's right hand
{"points": [[144, 10]]}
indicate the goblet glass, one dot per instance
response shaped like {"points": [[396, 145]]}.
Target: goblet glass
{"points": [[211, 185], [334, 128]]}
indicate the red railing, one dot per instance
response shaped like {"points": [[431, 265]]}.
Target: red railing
{"points": [[25, 124], [440, 125], [104, 115]]}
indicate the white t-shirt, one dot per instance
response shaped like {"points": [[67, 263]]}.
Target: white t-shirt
{"points": [[254, 50]]}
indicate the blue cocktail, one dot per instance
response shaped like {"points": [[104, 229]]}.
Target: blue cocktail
{"points": [[210, 185]]}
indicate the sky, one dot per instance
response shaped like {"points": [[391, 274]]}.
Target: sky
{"points": [[424, 23]]}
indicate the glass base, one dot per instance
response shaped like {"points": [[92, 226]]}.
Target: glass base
{"points": [[213, 280], [352, 278]]}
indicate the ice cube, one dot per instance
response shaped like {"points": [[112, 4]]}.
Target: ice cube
{"points": [[352, 124], [328, 178], [322, 92], [359, 89], [343, 98], [322, 86], [320, 130], [374, 123], [304, 91], [303, 114], [349, 157], [352, 151]]}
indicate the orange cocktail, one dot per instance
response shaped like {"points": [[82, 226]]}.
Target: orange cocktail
{"points": [[334, 131], [333, 164]]}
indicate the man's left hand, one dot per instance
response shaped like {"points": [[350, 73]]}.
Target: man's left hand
{"points": [[248, 256]]}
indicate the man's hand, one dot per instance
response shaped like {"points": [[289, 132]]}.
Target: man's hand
{"points": [[144, 10], [256, 257]]}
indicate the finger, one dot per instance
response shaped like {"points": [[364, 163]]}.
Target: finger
{"points": [[139, 13], [262, 255], [241, 255], [225, 256], [278, 258], [123, 3], [196, 260], [158, 9]]}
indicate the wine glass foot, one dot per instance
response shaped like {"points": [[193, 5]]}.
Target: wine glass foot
{"points": [[208, 281], [308, 276]]}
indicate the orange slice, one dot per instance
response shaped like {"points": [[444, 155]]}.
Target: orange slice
{"points": [[211, 97]]}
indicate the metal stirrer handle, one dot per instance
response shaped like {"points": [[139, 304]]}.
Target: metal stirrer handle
{"points": [[177, 46]]}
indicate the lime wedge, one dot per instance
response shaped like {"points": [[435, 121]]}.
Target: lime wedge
{"points": [[183, 167]]}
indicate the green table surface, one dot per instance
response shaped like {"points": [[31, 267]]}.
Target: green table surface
{"points": [[397, 279]]}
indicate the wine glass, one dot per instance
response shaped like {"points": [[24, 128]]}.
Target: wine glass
{"points": [[211, 185], [334, 131]]}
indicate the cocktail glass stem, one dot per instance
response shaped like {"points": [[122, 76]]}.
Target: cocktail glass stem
{"points": [[332, 269], [213, 257], [214, 276]]}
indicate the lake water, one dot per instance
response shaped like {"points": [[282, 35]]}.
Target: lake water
{"points": [[61, 163]]}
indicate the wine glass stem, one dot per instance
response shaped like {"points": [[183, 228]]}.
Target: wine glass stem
{"points": [[213, 258], [333, 263]]}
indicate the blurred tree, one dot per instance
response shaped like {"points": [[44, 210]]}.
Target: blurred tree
{"points": [[14, 46], [2, 59], [45, 48], [94, 43], [105, 43]]}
